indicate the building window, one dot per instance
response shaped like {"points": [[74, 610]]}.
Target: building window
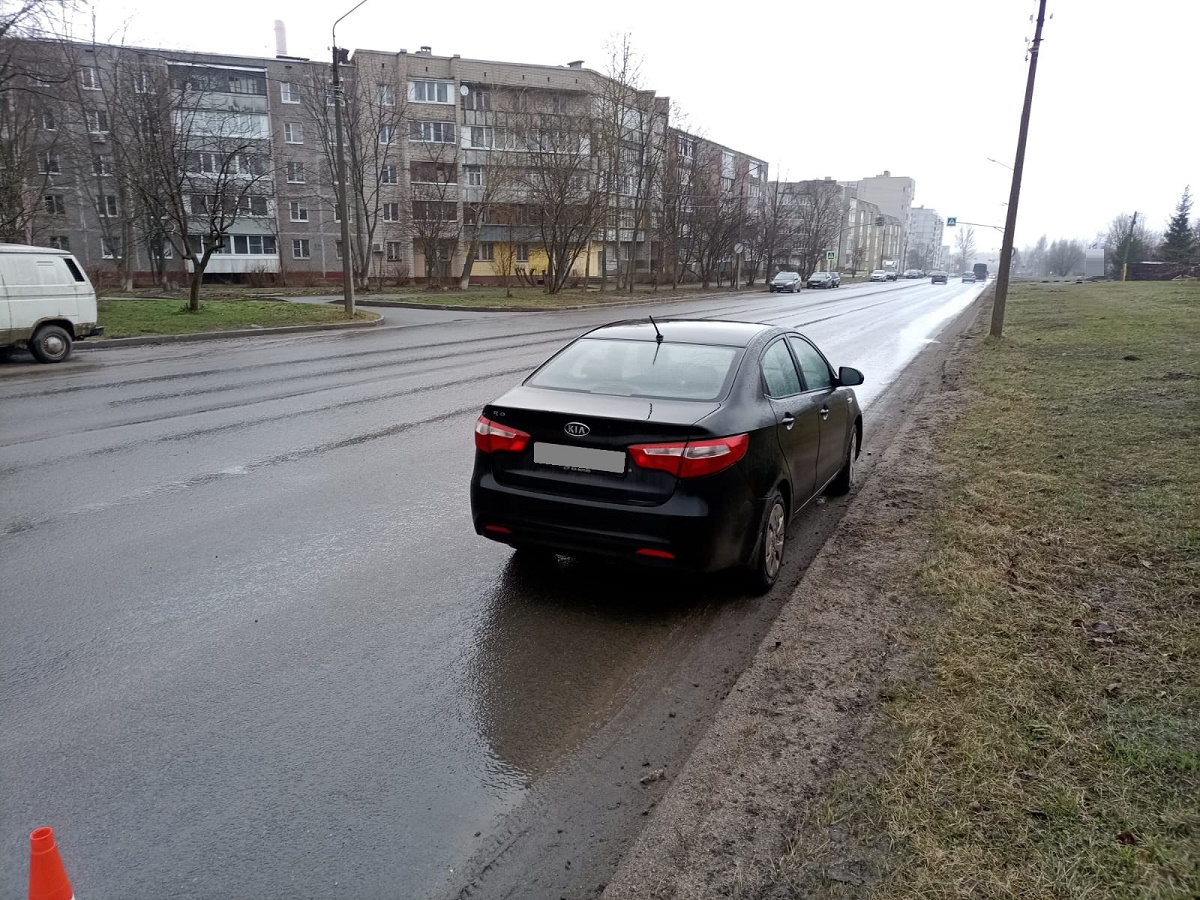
{"points": [[110, 247], [387, 95], [522, 253], [48, 163], [393, 251], [391, 212], [298, 211], [288, 92], [434, 211], [254, 206], [141, 82], [432, 173], [55, 205], [295, 173], [254, 244], [97, 121], [479, 100], [387, 134], [106, 206], [48, 123], [487, 251], [389, 173], [293, 133], [477, 137], [89, 78], [101, 164], [432, 132], [300, 249], [337, 249], [431, 91], [59, 242], [474, 175]]}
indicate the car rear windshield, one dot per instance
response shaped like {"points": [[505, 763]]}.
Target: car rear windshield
{"points": [[640, 369]]}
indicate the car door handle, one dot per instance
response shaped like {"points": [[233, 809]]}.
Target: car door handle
{"points": [[788, 421], [824, 412]]}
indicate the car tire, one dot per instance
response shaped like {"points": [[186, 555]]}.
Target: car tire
{"points": [[51, 344], [842, 481], [764, 568]]}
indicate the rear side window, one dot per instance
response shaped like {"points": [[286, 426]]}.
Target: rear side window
{"points": [[639, 369], [779, 371], [74, 269], [816, 371]]}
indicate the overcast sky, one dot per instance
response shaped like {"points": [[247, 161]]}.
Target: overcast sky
{"points": [[925, 88]]}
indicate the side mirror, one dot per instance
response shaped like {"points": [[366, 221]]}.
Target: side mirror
{"points": [[849, 377]]}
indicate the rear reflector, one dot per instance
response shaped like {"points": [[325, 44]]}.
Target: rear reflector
{"points": [[657, 554], [498, 529]]}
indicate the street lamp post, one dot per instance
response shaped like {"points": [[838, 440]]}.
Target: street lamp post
{"points": [[340, 57]]}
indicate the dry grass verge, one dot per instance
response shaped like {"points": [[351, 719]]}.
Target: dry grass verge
{"points": [[1055, 749]]}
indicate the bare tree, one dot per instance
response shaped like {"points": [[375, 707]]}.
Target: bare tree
{"points": [[490, 181], [818, 218], [777, 225], [1064, 257], [373, 117], [551, 135], [964, 242], [632, 140], [714, 217], [675, 205], [201, 165], [29, 153], [435, 221]]}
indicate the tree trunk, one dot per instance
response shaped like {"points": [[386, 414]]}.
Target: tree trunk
{"points": [[194, 280], [464, 282]]}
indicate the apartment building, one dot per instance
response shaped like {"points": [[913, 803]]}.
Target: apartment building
{"points": [[924, 239], [893, 194], [521, 171]]}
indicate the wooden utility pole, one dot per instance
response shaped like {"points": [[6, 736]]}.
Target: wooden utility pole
{"points": [[1014, 194]]}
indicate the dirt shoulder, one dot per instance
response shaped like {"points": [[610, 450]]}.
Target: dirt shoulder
{"points": [[755, 813]]}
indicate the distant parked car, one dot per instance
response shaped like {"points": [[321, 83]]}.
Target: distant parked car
{"points": [[879, 275], [939, 278], [785, 281], [913, 273], [822, 280], [837, 279], [968, 277], [891, 274]]}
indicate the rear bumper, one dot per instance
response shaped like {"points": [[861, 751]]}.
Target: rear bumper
{"points": [[706, 525], [88, 329]]}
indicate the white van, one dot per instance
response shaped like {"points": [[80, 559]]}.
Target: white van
{"points": [[46, 301]]}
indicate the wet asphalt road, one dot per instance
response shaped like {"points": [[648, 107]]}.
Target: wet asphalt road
{"points": [[251, 646]]}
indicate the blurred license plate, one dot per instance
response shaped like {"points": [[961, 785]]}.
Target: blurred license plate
{"points": [[589, 458]]}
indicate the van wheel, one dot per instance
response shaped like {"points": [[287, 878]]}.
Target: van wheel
{"points": [[51, 344]]}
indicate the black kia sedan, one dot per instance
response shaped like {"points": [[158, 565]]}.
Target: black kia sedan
{"points": [[686, 443]]}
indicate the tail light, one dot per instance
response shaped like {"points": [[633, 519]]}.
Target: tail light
{"points": [[691, 459], [492, 436]]}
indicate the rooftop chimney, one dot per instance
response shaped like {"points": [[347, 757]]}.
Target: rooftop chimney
{"points": [[575, 64], [280, 38], [426, 49]]}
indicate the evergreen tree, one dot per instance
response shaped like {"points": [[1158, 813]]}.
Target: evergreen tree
{"points": [[1179, 244]]}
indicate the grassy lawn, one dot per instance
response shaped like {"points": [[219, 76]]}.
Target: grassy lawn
{"points": [[129, 318], [1055, 749], [479, 296]]}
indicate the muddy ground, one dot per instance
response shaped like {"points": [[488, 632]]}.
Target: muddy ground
{"points": [[769, 805]]}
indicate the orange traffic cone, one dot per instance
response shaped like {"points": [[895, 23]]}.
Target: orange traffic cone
{"points": [[47, 877]]}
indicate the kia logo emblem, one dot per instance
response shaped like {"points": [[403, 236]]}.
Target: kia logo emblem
{"points": [[577, 429]]}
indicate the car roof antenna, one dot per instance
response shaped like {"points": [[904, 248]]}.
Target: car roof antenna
{"points": [[658, 334]]}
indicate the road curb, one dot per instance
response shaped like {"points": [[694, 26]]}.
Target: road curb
{"points": [[146, 339]]}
